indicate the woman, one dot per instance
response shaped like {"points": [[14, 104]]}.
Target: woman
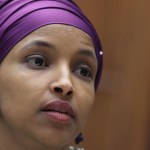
{"points": [[50, 66]]}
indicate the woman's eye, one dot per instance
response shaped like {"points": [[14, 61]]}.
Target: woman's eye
{"points": [[37, 61], [84, 72]]}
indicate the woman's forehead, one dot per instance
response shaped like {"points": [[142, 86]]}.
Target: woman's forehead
{"points": [[57, 37], [57, 30]]}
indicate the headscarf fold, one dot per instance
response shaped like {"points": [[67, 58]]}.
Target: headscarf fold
{"points": [[18, 18]]}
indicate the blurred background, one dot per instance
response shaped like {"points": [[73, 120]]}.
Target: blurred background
{"points": [[120, 117]]}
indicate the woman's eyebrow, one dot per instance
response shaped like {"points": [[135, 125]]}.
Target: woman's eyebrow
{"points": [[39, 43], [87, 53]]}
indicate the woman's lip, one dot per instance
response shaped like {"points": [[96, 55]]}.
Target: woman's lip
{"points": [[59, 110]]}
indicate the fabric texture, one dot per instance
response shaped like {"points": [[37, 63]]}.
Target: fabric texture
{"points": [[18, 18]]}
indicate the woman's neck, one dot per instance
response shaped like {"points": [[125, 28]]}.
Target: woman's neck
{"points": [[13, 141]]}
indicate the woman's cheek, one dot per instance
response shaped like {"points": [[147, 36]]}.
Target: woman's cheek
{"points": [[85, 104]]}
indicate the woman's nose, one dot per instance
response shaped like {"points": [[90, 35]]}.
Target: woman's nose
{"points": [[62, 87]]}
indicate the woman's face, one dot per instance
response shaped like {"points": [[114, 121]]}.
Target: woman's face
{"points": [[47, 86]]}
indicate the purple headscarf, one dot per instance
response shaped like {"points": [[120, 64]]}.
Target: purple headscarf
{"points": [[18, 18]]}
